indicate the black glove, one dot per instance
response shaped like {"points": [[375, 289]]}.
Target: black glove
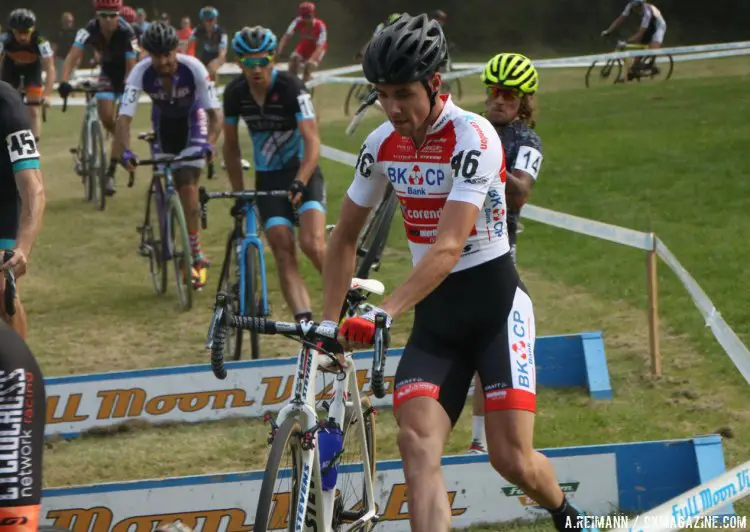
{"points": [[64, 89], [297, 187], [237, 208]]}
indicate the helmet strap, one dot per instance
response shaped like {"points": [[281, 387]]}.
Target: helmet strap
{"points": [[432, 93]]}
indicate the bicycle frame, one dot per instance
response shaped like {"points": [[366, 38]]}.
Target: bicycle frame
{"points": [[90, 116], [163, 190], [314, 503], [251, 238]]}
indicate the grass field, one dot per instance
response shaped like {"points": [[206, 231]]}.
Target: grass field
{"points": [[668, 158]]}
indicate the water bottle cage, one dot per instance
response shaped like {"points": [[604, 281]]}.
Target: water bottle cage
{"points": [[333, 463]]}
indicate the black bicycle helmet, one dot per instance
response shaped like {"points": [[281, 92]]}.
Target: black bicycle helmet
{"points": [[160, 38], [22, 19], [409, 49]]}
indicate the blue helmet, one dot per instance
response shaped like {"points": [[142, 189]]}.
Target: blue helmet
{"points": [[254, 40], [208, 12]]}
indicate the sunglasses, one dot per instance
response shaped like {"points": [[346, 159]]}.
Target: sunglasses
{"points": [[493, 91], [107, 14], [256, 62], [25, 31]]}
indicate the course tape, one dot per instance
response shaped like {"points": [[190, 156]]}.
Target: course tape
{"points": [[735, 349], [337, 75]]}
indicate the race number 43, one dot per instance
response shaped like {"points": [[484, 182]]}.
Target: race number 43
{"points": [[21, 145]]}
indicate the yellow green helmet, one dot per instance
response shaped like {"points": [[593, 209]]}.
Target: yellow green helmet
{"points": [[392, 17], [514, 71]]}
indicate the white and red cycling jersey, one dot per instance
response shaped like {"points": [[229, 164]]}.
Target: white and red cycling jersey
{"points": [[461, 160], [312, 36]]}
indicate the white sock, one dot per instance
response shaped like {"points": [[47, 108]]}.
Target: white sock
{"points": [[477, 430]]}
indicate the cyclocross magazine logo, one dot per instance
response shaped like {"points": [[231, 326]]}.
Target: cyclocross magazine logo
{"points": [[102, 518], [568, 488]]}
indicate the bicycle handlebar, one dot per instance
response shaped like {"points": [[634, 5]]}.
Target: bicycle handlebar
{"points": [[10, 285], [204, 198], [86, 88], [309, 332]]}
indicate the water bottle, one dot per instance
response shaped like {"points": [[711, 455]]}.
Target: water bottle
{"points": [[330, 441]]}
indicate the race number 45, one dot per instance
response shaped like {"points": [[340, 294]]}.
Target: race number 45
{"points": [[21, 145]]}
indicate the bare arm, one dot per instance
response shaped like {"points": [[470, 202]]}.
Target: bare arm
{"points": [[518, 188], [129, 64], [30, 184], [48, 65], [122, 135], [282, 44], [456, 222], [638, 35], [215, 118], [616, 24], [338, 267], [233, 157], [308, 129], [71, 61]]}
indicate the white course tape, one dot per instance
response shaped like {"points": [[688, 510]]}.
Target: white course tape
{"points": [[705, 499], [726, 337]]}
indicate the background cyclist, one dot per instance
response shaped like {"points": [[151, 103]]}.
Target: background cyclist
{"points": [[24, 55], [650, 32], [210, 41], [511, 81], [472, 312], [115, 41], [180, 124], [392, 17], [313, 45], [22, 198], [279, 113]]}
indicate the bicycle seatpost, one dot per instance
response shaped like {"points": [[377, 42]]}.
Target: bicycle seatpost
{"points": [[203, 199]]}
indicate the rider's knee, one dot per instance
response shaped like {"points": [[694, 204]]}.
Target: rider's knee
{"points": [[513, 462], [281, 240], [312, 245]]}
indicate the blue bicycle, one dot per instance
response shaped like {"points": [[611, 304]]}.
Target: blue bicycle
{"points": [[243, 273]]}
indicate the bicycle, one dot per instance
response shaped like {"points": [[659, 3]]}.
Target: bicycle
{"points": [[243, 271], [643, 67], [447, 85], [10, 285], [90, 157], [42, 102], [171, 242], [374, 234], [317, 497], [358, 91]]}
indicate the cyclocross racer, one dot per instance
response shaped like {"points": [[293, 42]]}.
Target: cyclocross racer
{"points": [[211, 41], [652, 28], [182, 95], [511, 80], [472, 312], [22, 197], [391, 18], [279, 113], [313, 45], [115, 40], [24, 55], [23, 403]]}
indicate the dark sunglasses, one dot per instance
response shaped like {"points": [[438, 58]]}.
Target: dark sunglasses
{"points": [[493, 91]]}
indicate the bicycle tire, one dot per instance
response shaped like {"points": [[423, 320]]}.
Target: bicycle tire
{"points": [[612, 64], [373, 238], [285, 437], [99, 171], [347, 100], [252, 298], [157, 264], [459, 91], [671, 67], [182, 258], [229, 284], [83, 162], [371, 441]]}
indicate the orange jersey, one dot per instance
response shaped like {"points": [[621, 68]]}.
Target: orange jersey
{"points": [[184, 35]]}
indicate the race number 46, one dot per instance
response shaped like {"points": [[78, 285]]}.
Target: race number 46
{"points": [[21, 145], [465, 163]]}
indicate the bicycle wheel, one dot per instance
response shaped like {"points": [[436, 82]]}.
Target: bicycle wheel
{"points": [[252, 297], [348, 99], [99, 167], [229, 284], [661, 72], [375, 234], [82, 165], [180, 251], [459, 91], [154, 247], [351, 499], [285, 500], [608, 72]]}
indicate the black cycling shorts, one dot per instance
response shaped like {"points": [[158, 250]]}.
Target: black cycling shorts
{"points": [[16, 75], [111, 82], [22, 418], [650, 32], [279, 211], [478, 320]]}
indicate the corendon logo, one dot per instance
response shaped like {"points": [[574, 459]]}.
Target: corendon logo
{"points": [[100, 519], [134, 402], [416, 215], [482, 137]]}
